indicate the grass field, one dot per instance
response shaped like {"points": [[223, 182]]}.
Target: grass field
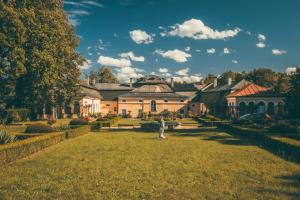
{"points": [[135, 165]]}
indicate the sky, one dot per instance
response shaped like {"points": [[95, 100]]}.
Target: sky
{"points": [[186, 39]]}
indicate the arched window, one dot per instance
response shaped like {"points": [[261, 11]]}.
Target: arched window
{"points": [[242, 108], [271, 109], [251, 107], [153, 106], [261, 107]]}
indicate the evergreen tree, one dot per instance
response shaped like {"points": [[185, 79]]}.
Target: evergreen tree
{"points": [[293, 103], [103, 75]]}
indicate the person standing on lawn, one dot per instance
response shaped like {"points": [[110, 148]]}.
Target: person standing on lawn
{"points": [[161, 127]]}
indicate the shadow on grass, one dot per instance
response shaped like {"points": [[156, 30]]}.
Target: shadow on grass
{"points": [[291, 182]]}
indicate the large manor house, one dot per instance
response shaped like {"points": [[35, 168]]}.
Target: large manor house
{"points": [[153, 94]]}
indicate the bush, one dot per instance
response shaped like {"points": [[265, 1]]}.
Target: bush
{"points": [[78, 122], [283, 128], [39, 128], [150, 126], [96, 126], [76, 132], [20, 149], [16, 115], [6, 138]]}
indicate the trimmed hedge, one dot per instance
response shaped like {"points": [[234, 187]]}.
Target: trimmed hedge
{"points": [[283, 128], [96, 126], [78, 122], [76, 132], [39, 128], [29, 145], [23, 148], [150, 126], [15, 115]]}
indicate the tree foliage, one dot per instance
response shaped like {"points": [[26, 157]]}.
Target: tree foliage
{"points": [[293, 103], [103, 75], [38, 60]]}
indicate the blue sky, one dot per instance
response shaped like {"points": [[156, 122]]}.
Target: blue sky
{"points": [[186, 39]]}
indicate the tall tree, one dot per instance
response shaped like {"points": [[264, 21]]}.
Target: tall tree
{"points": [[50, 71], [236, 76], [263, 77], [293, 103], [103, 75]]}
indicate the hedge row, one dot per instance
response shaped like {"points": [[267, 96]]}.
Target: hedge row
{"points": [[261, 139], [23, 148]]}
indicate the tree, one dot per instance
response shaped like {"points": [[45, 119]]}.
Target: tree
{"points": [[41, 34], [235, 76], [293, 103], [103, 75], [263, 76]]}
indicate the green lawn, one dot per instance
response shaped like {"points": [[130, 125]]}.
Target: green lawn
{"points": [[135, 165]]}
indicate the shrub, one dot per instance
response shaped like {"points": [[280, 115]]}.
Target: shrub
{"points": [[76, 132], [78, 122], [39, 128], [20, 149], [16, 115], [96, 126], [6, 138], [150, 126], [283, 128]]}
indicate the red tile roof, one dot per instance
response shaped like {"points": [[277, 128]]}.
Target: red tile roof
{"points": [[250, 89]]}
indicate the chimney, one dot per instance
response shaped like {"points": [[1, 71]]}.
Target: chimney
{"points": [[172, 82], [215, 82], [130, 82], [94, 82], [229, 81]]}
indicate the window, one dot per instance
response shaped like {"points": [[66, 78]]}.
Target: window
{"points": [[141, 101], [107, 105], [115, 109], [181, 100], [153, 106], [181, 111], [193, 105], [123, 100], [166, 100]]}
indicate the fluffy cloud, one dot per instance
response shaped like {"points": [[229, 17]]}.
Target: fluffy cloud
{"points": [[130, 55], [177, 55], [188, 48], [278, 52], [226, 51], [291, 70], [211, 51], [261, 45], [108, 61], [139, 37], [93, 3], [198, 50], [163, 70], [186, 79], [196, 29], [261, 37], [183, 72], [86, 65], [125, 73], [235, 61]]}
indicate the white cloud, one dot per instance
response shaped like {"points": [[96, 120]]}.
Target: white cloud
{"points": [[235, 61], [278, 52], [79, 12], [261, 37], [183, 72], [86, 65], [130, 55], [226, 51], [211, 51], [186, 79], [93, 3], [108, 61], [196, 29], [188, 48], [291, 70], [125, 73], [163, 70], [198, 50], [139, 37], [177, 55], [261, 45]]}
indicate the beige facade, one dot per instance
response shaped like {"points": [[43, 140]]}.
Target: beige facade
{"points": [[135, 106], [109, 107]]}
